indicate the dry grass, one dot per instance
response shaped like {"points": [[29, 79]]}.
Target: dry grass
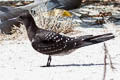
{"points": [[53, 21], [18, 33], [107, 55]]}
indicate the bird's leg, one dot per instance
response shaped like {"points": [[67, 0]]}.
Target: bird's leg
{"points": [[49, 61]]}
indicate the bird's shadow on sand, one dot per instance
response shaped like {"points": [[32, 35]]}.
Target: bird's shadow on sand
{"points": [[74, 65]]}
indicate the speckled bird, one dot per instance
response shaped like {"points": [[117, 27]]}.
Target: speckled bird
{"points": [[51, 43]]}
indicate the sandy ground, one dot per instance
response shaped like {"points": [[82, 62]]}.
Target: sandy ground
{"points": [[19, 61]]}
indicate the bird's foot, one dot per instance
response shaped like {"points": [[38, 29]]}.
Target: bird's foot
{"points": [[48, 62], [45, 66]]}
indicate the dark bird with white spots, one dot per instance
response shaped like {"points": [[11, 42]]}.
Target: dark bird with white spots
{"points": [[51, 43]]}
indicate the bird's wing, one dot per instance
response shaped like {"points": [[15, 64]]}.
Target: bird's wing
{"points": [[50, 42], [51, 38]]}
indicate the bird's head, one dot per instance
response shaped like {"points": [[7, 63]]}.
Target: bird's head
{"points": [[25, 18]]}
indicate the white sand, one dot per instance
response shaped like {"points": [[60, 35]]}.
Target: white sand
{"points": [[19, 61]]}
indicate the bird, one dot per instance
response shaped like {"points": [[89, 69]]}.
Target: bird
{"points": [[63, 4], [6, 14], [55, 44], [6, 27], [9, 12]]}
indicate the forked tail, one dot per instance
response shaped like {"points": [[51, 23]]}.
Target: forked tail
{"points": [[90, 39]]}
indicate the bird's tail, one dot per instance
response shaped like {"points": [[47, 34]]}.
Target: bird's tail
{"points": [[90, 39]]}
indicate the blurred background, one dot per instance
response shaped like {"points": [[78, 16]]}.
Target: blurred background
{"points": [[7, 2]]}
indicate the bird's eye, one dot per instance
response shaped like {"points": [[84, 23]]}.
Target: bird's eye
{"points": [[21, 17]]}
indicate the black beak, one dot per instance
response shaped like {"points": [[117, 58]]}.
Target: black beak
{"points": [[13, 18]]}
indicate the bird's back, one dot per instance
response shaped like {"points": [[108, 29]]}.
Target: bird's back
{"points": [[51, 43], [63, 4], [70, 4]]}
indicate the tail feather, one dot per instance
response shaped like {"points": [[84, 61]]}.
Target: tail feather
{"points": [[90, 40]]}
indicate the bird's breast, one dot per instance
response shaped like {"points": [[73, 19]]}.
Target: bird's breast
{"points": [[53, 49], [64, 53], [30, 34]]}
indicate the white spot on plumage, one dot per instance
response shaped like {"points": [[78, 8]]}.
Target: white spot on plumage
{"points": [[33, 40], [56, 36], [46, 35], [58, 40], [64, 46], [49, 48], [82, 39], [61, 38], [38, 49], [50, 37], [49, 34], [53, 33], [72, 39], [75, 43], [46, 48], [75, 37], [66, 41]]}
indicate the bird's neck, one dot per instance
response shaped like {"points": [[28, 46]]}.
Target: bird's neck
{"points": [[30, 24], [31, 29]]}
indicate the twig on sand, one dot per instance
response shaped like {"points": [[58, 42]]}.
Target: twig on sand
{"points": [[105, 57]]}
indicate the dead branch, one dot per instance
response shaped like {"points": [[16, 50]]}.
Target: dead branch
{"points": [[105, 58]]}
